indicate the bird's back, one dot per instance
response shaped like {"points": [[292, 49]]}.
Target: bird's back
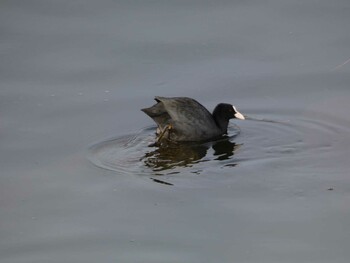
{"points": [[191, 121]]}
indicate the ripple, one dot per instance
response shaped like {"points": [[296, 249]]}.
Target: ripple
{"points": [[262, 142], [298, 137], [132, 154]]}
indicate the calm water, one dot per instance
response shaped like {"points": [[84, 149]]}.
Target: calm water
{"points": [[78, 180]]}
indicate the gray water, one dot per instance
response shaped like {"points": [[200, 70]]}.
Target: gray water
{"points": [[78, 181]]}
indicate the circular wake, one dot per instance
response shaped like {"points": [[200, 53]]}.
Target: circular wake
{"points": [[132, 154]]}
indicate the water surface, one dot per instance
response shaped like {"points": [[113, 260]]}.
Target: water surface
{"points": [[78, 180]]}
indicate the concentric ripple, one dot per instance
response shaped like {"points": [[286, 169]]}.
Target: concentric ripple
{"points": [[289, 140], [132, 154]]}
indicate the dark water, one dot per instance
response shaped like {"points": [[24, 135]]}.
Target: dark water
{"points": [[78, 181]]}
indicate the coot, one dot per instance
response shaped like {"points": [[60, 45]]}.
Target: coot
{"points": [[185, 119]]}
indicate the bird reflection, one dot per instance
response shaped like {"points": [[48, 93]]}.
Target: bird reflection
{"points": [[224, 149], [173, 155]]}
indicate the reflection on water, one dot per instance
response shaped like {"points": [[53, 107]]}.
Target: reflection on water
{"points": [[224, 149], [174, 155], [131, 154]]}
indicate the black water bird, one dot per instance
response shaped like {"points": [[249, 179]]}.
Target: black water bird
{"points": [[181, 119]]}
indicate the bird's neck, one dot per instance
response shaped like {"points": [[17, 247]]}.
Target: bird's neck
{"points": [[220, 121]]}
